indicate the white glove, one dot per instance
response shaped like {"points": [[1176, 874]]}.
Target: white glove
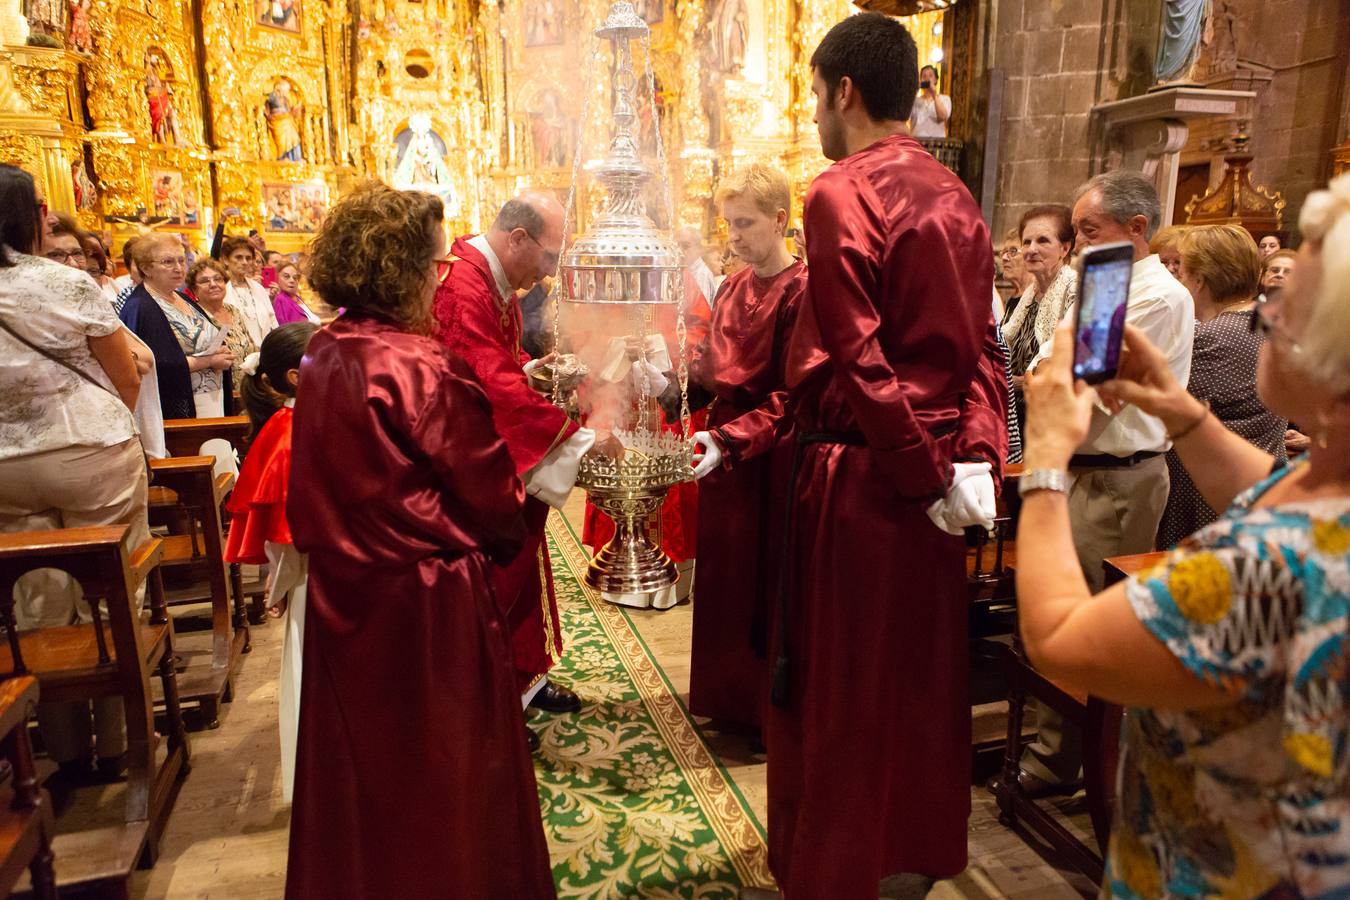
{"points": [[532, 365], [711, 457], [969, 501], [656, 380]]}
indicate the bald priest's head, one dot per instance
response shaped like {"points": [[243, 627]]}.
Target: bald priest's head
{"points": [[528, 237]]}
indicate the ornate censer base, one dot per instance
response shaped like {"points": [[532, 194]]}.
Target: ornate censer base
{"points": [[629, 492]]}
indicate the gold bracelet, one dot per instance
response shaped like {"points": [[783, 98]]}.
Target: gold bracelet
{"points": [[1191, 427]]}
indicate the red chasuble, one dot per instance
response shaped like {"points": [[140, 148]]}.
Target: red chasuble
{"points": [[679, 512], [894, 372], [258, 503], [742, 504], [412, 775], [475, 323]]}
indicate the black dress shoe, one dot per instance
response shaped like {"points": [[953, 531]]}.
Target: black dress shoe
{"points": [[1034, 787], [555, 698], [531, 739]]}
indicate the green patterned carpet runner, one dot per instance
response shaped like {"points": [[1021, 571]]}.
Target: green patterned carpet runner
{"points": [[634, 803]]}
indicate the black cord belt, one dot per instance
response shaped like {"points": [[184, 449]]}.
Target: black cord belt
{"points": [[1107, 461]]}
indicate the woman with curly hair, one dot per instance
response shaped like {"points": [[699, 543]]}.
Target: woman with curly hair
{"points": [[402, 494]]}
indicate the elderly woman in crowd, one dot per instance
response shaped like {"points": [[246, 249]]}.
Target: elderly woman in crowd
{"points": [[1008, 258], [1233, 653], [1276, 269], [244, 291], [1220, 266], [207, 280], [1047, 241], [1167, 244], [189, 359], [69, 454], [287, 303], [402, 489]]}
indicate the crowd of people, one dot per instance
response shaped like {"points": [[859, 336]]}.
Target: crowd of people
{"points": [[858, 398]]}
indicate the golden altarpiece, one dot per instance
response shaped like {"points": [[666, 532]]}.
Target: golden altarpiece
{"points": [[183, 114]]}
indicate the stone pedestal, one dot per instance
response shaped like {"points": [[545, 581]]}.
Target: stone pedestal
{"points": [[1146, 133]]}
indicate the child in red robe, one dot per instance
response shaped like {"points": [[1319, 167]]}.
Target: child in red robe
{"points": [[259, 532]]}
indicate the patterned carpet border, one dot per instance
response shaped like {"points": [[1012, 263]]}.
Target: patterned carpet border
{"points": [[736, 827]]}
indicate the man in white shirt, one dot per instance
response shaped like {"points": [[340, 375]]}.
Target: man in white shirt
{"points": [[691, 247], [247, 295], [932, 110], [1118, 480]]}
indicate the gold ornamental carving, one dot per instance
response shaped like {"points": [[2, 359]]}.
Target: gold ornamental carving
{"points": [[45, 82], [117, 172]]}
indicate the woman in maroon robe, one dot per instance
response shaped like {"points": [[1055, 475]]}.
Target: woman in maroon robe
{"points": [[412, 775], [742, 501]]}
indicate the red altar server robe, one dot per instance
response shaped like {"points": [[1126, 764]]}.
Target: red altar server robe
{"points": [[679, 512], [475, 322], [412, 775], [894, 372], [742, 504]]}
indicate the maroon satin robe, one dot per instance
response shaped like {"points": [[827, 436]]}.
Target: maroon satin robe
{"points": [[412, 775], [475, 323], [894, 372], [742, 504]]}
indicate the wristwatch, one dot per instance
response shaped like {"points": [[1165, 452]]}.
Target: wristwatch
{"points": [[1043, 480]]}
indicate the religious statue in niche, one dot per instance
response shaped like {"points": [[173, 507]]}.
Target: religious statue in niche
{"points": [[45, 17], [652, 11], [159, 97], [1182, 28], [283, 112], [86, 195], [421, 161], [283, 15], [79, 37], [550, 131], [543, 23], [728, 35]]}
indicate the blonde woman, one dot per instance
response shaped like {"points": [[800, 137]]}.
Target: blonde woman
{"points": [[1231, 655], [1167, 244]]}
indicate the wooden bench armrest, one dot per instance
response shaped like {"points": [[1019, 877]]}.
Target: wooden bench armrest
{"points": [[224, 484], [144, 560], [16, 697], [182, 464], [59, 540]]}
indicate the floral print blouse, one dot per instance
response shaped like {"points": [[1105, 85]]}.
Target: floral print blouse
{"points": [[1251, 799]]}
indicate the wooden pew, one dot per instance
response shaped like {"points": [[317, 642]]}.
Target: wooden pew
{"points": [[185, 437], [198, 550], [79, 663], [26, 825]]}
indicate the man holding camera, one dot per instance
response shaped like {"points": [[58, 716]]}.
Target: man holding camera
{"points": [[931, 109]]}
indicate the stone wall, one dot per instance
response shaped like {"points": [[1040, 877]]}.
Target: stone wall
{"points": [[1060, 57]]}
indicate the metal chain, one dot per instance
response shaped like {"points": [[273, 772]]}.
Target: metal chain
{"points": [[681, 334], [568, 209]]}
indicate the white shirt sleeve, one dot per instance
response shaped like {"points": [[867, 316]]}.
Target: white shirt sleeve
{"points": [[552, 480]]}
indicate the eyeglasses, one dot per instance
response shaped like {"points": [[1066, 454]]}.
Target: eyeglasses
{"points": [[172, 262], [1266, 322], [1010, 251], [550, 258], [65, 256], [210, 279]]}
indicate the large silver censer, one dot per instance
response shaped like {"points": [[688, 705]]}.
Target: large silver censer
{"points": [[622, 281]]}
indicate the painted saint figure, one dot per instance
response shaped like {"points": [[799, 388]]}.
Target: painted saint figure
{"points": [[283, 115], [79, 37], [1183, 26], [163, 119], [549, 129]]}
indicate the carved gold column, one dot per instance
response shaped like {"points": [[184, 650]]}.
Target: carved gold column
{"points": [[695, 156], [813, 19], [107, 90]]}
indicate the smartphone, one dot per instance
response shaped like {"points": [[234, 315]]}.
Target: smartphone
{"points": [[925, 84], [1103, 298]]}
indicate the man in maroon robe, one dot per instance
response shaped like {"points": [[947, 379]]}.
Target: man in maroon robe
{"points": [[478, 317], [895, 382], [744, 470]]}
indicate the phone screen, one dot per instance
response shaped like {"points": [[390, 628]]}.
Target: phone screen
{"points": [[1103, 297]]}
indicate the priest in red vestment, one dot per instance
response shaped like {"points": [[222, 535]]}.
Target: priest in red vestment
{"points": [[478, 318], [897, 395], [413, 779], [744, 469]]}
